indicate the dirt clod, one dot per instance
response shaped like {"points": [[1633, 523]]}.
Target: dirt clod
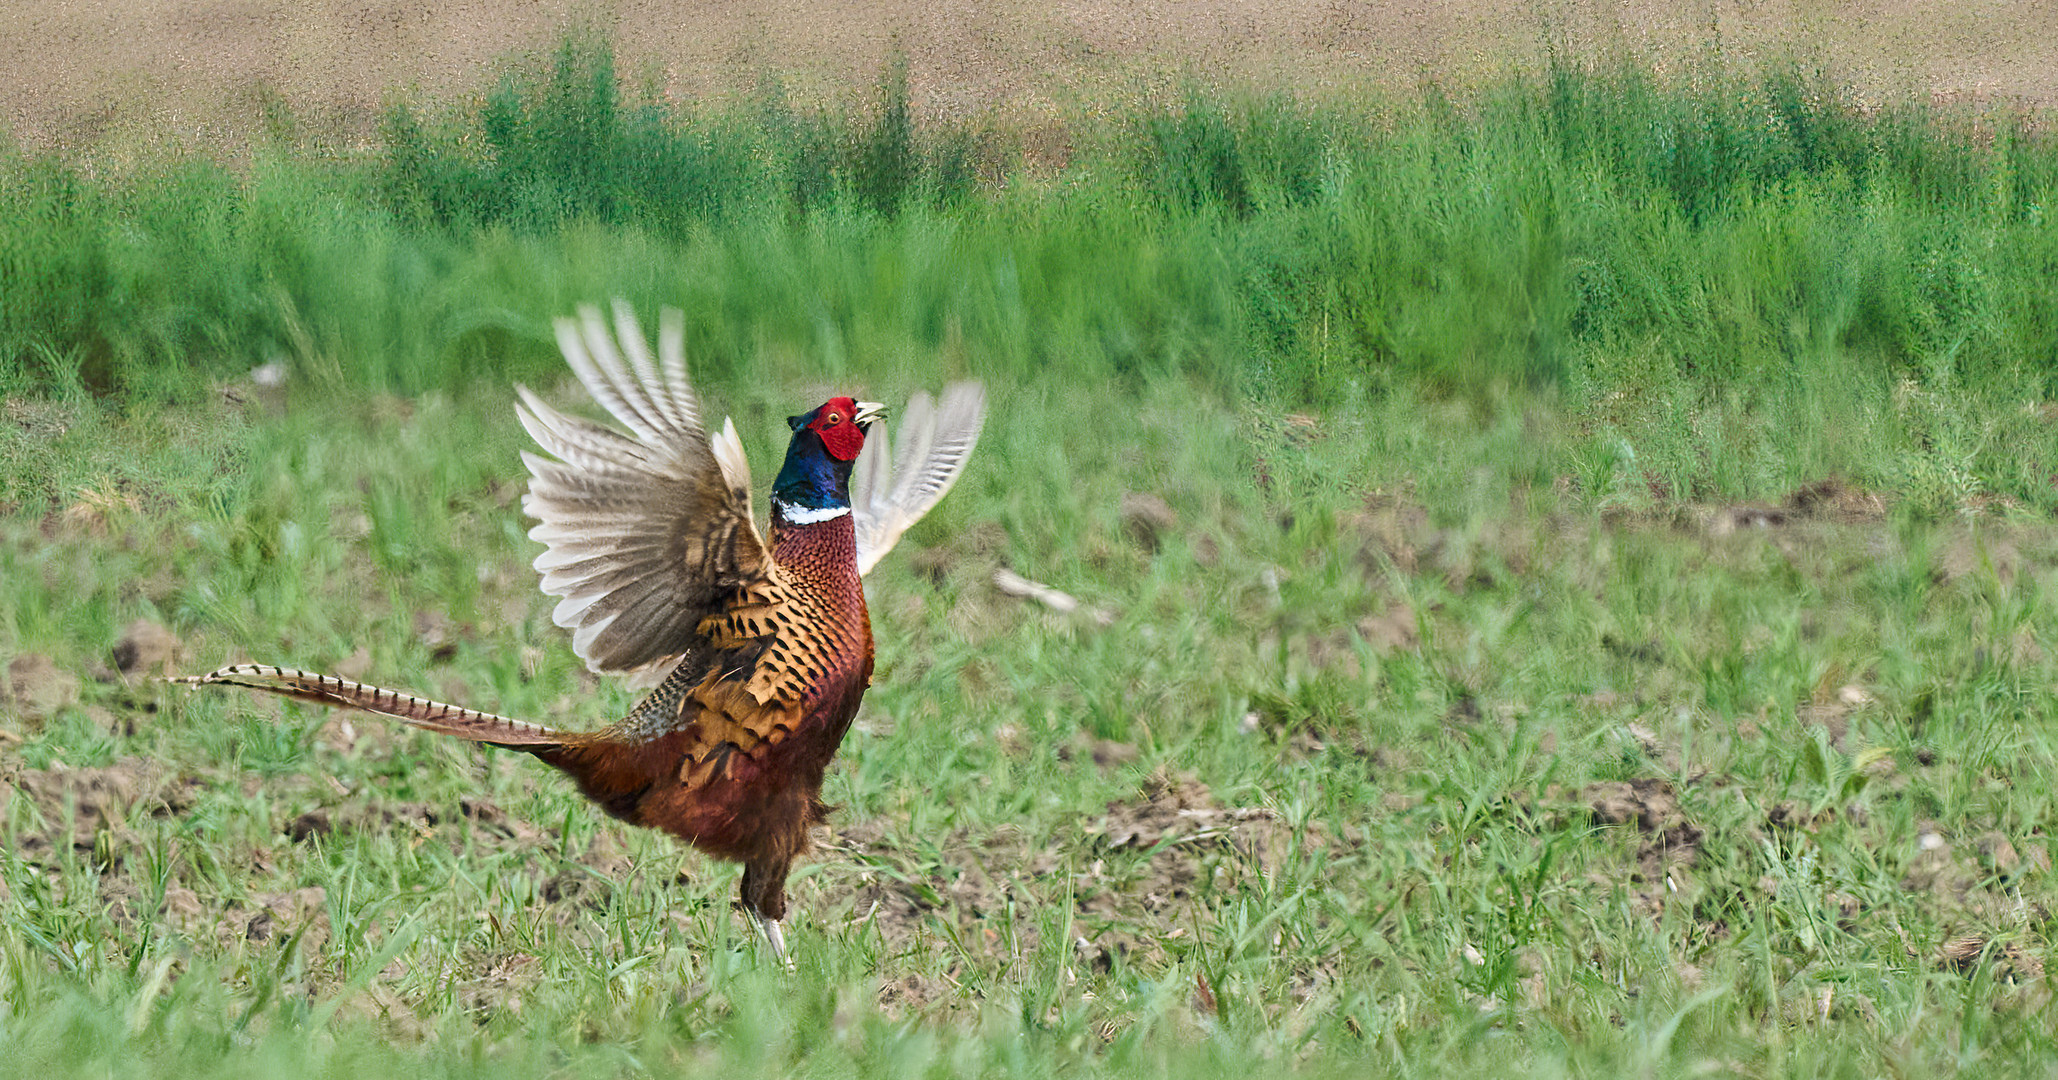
{"points": [[1391, 529], [355, 666], [1830, 501], [1978, 555], [283, 914], [436, 634], [1648, 803], [1789, 815], [1104, 753], [487, 814], [1729, 520], [591, 878], [1174, 811], [37, 688], [909, 994], [2011, 962], [1392, 630], [1671, 843], [103, 798], [1146, 518], [1997, 853], [145, 648], [418, 821], [1936, 868], [307, 826], [182, 908], [1835, 500]]}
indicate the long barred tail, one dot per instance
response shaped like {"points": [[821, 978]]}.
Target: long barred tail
{"points": [[428, 715]]}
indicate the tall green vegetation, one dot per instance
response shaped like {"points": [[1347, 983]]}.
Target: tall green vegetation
{"points": [[1705, 271], [559, 146]]}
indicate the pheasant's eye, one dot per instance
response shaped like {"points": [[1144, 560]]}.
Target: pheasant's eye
{"points": [[833, 420]]}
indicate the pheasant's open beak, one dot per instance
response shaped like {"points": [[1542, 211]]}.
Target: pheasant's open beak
{"points": [[868, 411]]}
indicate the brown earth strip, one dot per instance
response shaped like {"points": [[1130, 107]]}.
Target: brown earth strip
{"points": [[212, 71]]}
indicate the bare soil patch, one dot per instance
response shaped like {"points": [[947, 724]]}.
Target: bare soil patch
{"points": [[59, 805], [33, 688], [1668, 845], [208, 71], [1135, 879]]}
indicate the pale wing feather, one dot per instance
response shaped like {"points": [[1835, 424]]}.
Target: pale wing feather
{"points": [[631, 337], [728, 451], [930, 448], [671, 352], [643, 535], [587, 348], [874, 469]]}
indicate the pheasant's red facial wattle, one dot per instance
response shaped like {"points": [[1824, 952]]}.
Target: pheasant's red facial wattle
{"points": [[836, 423]]}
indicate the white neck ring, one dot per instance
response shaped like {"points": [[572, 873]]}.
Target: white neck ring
{"points": [[804, 515]]}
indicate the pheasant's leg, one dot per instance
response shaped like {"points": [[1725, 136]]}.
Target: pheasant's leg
{"points": [[774, 937], [764, 898]]}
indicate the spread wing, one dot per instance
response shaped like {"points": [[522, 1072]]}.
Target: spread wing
{"points": [[646, 532], [888, 493]]}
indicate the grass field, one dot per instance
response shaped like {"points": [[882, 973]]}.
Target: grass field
{"points": [[1566, 581]]}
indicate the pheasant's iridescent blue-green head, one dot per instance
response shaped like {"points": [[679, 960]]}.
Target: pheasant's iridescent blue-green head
{"points": [[814, 484]]}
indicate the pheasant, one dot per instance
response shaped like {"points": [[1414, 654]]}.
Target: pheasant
{"points": [[759, 653]]}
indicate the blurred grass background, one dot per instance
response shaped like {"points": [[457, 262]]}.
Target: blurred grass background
{"points": [[1745, 279]]}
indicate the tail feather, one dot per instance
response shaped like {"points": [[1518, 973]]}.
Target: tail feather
{"points": [[454, 720]]}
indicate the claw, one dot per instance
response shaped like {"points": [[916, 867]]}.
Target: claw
{"points": [[774, 937]]}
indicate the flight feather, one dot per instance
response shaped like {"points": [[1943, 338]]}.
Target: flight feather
{"points": [[646, 534], [890, 491]]}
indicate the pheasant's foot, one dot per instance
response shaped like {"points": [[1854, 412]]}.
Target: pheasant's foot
{"points": [[774, 937]]}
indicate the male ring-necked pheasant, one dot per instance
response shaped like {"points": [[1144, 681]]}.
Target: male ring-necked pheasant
{"points": [[759, 653]]}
